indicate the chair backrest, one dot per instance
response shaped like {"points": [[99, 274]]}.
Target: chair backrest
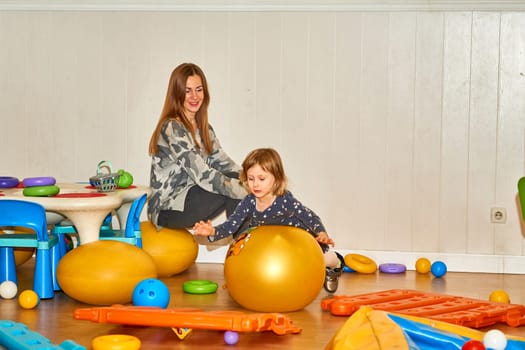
{"points": [[24, 214], [521, 193], [133, 220]]}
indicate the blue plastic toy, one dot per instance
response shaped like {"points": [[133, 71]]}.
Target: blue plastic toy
{"points": [[151, 292], [17, 336], [438, 268]]}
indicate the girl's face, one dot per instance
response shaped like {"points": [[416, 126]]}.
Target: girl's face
{"points": [[260, 182], [194, 95]]}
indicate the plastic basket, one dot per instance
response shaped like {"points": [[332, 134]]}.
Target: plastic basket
{"points": [[104, 181]]}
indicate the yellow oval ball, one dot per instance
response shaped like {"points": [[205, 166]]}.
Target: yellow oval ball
{"points": [[104, 272], [173, 251]]}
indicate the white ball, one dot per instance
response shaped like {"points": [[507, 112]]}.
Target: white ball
{"points": [[8, 289], [495, 339]]}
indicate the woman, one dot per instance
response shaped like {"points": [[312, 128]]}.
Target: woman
{"points": [[192, 178]]}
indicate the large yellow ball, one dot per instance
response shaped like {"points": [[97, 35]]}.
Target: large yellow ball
{"points": [[21, 254], [274, 269], [104, 272], [173, 251]]}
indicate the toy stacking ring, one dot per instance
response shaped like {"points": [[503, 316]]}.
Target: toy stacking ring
{"points": [[116, 342], [41, 191], [392, 268], [39, 181], [199, 287], [360, 263], [8, 182]]}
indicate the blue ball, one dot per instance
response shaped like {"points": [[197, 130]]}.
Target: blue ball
{"points": [[151, 292], [438, 268], [231, 337]]}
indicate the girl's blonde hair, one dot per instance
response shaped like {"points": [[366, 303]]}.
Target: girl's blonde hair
{"points": [[269, 160], [174, 106]]}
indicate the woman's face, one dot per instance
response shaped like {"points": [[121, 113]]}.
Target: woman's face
{"points": [[260, 182], [194, 95]]}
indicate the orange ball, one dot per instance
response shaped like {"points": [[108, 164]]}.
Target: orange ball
{"points": [[499, 296], [28, 299], [423, 265]]}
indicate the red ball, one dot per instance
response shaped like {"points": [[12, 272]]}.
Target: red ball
{"points": [[473, 345]]}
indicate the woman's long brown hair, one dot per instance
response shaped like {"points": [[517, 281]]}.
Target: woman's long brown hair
{"points": [[174, 107]]}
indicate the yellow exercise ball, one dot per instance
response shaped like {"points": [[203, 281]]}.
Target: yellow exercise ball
{"points": [[274, 269], [104, 272], [173, 251]]}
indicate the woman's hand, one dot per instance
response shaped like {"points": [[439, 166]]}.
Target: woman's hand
{"points": [[202, 228], [323, 238]]}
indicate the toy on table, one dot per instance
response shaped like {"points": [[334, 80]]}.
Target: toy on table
{"points": [[18, 336], [43, 186], [8, 181], [182, 321]]}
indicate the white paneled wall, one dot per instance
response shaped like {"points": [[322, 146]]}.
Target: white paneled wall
{"points": [[400, 128]]}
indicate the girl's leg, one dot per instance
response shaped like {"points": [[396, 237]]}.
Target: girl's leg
{"points": [[199, 205]]}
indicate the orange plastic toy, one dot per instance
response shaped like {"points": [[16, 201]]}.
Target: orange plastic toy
{"points": [[462, 311], [182, 320]]}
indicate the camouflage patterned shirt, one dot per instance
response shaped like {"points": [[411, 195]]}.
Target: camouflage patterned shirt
{"points": [[180, 164]]}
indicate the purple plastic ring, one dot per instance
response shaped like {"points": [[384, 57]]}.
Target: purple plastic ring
{"points": [[8, 182], [39, 181], [392, 268]]}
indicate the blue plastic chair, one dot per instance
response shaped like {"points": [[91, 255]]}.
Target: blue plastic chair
{"points": [[66, 227], [131, 233], [18, 213]]}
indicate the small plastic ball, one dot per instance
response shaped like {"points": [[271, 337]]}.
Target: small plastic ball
{"points": [[28, 299], [499, 296], [438, 268], [8, 289], [473, 345], [423, 265], [495, 339], [151, 292], [231, 337]]}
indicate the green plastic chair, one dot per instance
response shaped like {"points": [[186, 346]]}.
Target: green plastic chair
{"points": [[521, 193]]}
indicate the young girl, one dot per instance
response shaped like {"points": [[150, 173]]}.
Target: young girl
{"points": [[270, 203]]}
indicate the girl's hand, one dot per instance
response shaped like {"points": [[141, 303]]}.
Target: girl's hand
{"points": [[323, 238], [202, 228]]}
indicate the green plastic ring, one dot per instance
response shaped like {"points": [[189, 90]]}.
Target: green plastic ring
{"points": [[199, 287], [41, 191]]}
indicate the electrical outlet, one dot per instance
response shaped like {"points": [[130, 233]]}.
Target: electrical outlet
{"points": [[498, 215]]}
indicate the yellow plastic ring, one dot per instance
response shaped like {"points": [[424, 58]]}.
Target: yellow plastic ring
{"points": [[199, 287], [41, 191], [116, 342], [360, 263]]}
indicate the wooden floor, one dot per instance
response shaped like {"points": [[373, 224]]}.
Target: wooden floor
{"points": [[53, 318]]}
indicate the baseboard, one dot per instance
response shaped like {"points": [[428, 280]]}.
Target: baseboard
{"points": [[479, 263]]}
